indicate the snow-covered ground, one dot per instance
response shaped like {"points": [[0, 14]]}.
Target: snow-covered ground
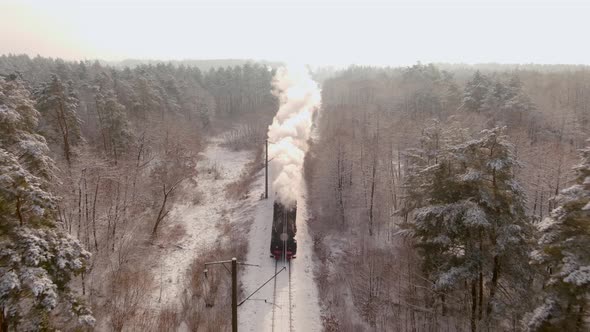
{"points": [[198, 222], [294, 309]]}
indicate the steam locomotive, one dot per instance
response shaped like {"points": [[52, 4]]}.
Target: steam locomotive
{"points": [[282, 240]]}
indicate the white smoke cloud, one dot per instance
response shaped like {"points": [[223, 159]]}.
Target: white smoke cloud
{"points": [[290, 130]]}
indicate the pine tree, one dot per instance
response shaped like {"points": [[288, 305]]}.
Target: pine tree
{"points": [[18, 123], [494, 99], [58, 105], [113, 123], [517, 104], [149, 99], [506, 102], [469, 222], [452, 93], [564, 251], [475, 92], [37, 260]]}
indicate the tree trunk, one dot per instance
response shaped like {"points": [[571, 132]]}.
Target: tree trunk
{"points": [[87, 215], [113, 145], [137, 165], [493, 285], [536, 194], [580, 320], [473, 306], [67, 147], [65, 131], [18, 211], [3, 321], [541, 205], [340, 167], [94, 213], [372, 195], [115, 219], [102, 126], [80, 206], [161, 213], [83, 277], [480, 281]]}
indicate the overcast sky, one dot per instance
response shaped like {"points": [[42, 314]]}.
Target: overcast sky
{"points": [[318, 32]]}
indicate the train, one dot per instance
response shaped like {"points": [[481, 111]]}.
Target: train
{"points": [[283, 244]]}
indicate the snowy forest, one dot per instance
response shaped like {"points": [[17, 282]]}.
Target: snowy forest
{"points": [[438, 197], [452, 198], [93, 158]]}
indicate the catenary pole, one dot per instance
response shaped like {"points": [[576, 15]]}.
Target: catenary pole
{"points": [[234, 295], [234, 288]]}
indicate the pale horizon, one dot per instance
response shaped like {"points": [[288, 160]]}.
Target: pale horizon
{"points": [[363, 33]]}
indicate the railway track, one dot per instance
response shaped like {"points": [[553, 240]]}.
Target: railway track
{"points": [[282, 310], [282, 294], [274, 296], [291, 329]]}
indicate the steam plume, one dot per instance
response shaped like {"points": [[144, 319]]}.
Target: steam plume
{"points": [[290, 130]]}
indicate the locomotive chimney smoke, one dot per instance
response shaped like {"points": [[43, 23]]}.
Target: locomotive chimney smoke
{"points": [[290, 129]]}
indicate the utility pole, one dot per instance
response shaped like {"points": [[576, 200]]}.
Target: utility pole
{"points": [[234, 295], [266, 172], [234, 287]]}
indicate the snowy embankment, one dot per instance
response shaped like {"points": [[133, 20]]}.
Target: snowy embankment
{"points": [[193, 226], [275, 307], [198, 230]]}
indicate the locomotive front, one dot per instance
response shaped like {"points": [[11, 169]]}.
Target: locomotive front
{"points": [[282, 242]]}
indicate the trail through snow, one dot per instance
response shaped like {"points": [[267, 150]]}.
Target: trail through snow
{"points": [[294, 310], [198, 221]]}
